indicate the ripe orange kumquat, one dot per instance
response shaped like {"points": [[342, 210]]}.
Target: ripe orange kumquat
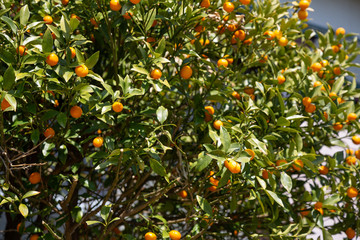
{"points": [[117, 107], [156, 74], [222, 63], [135, 1], [76, 112], [340, 31], [48, 19], [5, 104], [49, 133], [245, 2], [183, 194], [350, 160], [174, 235], [298, 165], [98, 142], [21, 50], [205, 3], [281, 79], [150, 236], [351, 117], [34, 237], [228, 7], [304, 4], [236, 95], [73, 52], [52, 59], [352, 192], [283, 41], [316, 67], [303, 14], [217, 124], [186, 72], [306, 101], [210, 110], [35, 178], [323, 170], [115, 5], [82, 71], [337, 126], [356, 139], [350, 233]]}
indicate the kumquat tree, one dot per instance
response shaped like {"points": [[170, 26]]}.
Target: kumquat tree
{"points": [[167, 119]]}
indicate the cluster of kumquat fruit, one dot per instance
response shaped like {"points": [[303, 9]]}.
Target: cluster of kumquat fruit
{"points": [[166, 119]]}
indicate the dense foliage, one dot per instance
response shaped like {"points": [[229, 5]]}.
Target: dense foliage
{"points": [[204, 117]]}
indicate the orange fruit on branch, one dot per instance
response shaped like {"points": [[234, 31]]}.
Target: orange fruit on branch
{"points": [[98, 142], [82, 70], [115, 5], [117, 107], [156, 74], [174, 235], [186, 72], [217, 124], [76, 112], [49, 133], [52, 59], [35, 178], [48, 19], [150, 236]]}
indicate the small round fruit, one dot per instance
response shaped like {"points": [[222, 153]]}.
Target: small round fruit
{"points": [[76, 112], [304, 213], [52, 59], [48, 19], [64, 2], [337, 126], [4, 104], [350, 233], [217, 124], [49, 133], [310, 108], [304, 4], [156, 74], [34, 237], [98, 142], [35, 178], [306, 101], [228, 7], [150, 236], [337, 70], [245, 2], [281, 162], [73, 52], [323, 170], [186, 72], [115, 5], [210, 109], [117, 107], [222, 63], [265, 174], [236, 95], [21, 50], [82, 70], [183, 194], [350, 160], [283, 41], [281, 79], [135, 1], [205, 3], [351, 116], [357, 154], [356, 139], [316, 67], [298, 165], [340, 31], [303, 14], [174, 235], [352, 192], [269, 35]]}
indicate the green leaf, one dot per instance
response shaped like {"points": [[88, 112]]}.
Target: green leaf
{"points": [[30, 194], [11, 100], [62, 119], [283, 122], [202, 163], [35, 135], [91, 61], [204, 205], [157, 167], [11, 24], [261, 182], [77, 214], [225, 138], [162, 114], [74, 23], [47, 43], [299, 142], [326, 235], [23, 210], [224, 178], [125, 84], [9, 78], [286, 181], [79, 56], [65, 27], [24, 15], [275, 197], [54, 30], [105, 211], [93, 222], [161, 46], [334, 199], [149, 18]]}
